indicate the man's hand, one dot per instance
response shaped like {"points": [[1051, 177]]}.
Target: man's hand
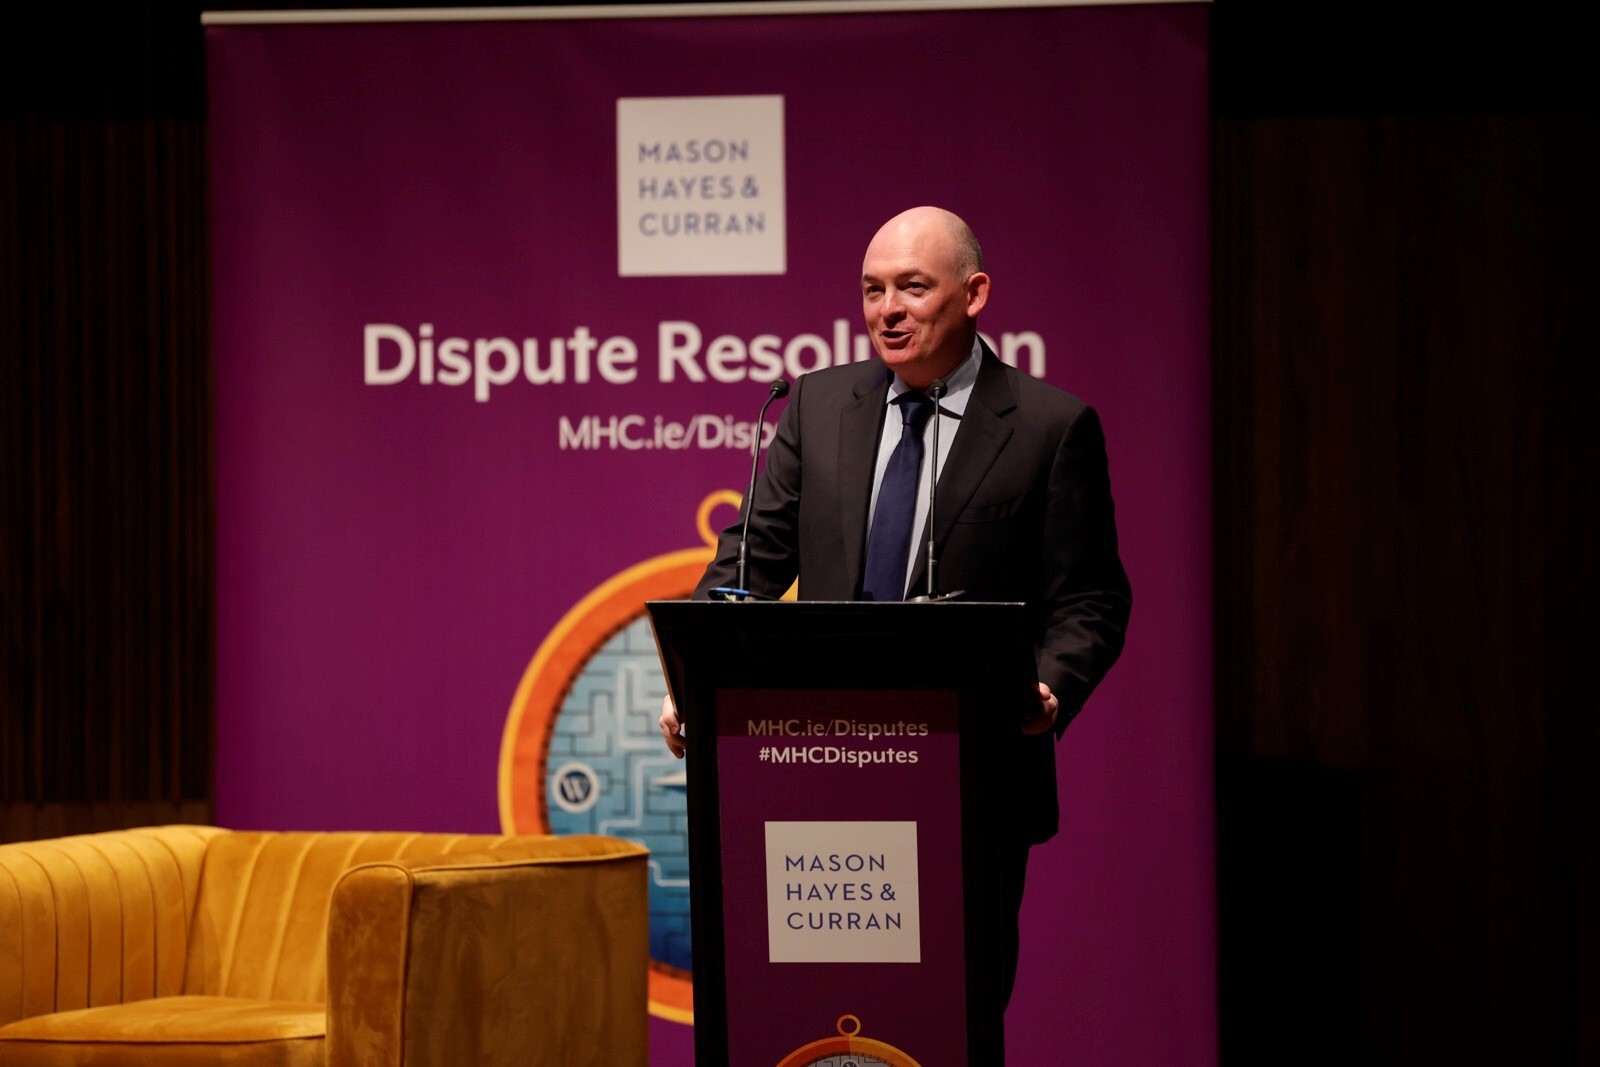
{"points": [[1043, 721], [671, 728]]}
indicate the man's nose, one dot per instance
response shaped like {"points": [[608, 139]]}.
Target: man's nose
{"points": [[891, 304]]}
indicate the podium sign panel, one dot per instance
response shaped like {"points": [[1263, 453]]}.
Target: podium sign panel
{"points": [[846, 769], [842, 884]]}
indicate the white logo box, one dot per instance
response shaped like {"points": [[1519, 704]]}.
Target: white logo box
{"points": [[843, 892], [700, 186]]}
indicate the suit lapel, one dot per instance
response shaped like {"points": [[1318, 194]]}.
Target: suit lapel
{"points": [[985, 429], [860, 428]]}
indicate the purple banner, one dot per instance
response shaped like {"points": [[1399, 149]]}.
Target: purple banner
{"points": [[496, 303]]}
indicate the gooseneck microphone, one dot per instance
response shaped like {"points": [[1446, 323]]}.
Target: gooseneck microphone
{"points": [[936, 392], [780, 388]]}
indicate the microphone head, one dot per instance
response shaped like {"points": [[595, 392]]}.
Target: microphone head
{"points": [[780, 388], [936, 390]]}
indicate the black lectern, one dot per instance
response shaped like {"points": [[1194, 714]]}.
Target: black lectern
{"points": [[846, 763]]}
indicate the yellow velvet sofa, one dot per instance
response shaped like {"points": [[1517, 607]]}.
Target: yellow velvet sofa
{"points": [[192, 945]]}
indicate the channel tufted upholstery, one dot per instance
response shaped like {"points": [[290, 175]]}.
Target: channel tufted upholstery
{"points": [[194, 945]]}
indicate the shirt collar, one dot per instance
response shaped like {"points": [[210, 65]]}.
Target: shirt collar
{"points": [[957, 384]]}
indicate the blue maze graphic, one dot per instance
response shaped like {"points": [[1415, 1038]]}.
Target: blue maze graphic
{"points": [[608, 772]]}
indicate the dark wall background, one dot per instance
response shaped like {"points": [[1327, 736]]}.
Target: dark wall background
{"points": [[1404, 367], [106, 561], [1404, 380]]}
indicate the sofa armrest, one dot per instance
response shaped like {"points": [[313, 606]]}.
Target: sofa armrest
{"points": [[533, 952]]}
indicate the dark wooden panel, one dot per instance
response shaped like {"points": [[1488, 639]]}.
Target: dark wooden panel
{"points": [[1405, 360], [34, 822], [105, 476]]}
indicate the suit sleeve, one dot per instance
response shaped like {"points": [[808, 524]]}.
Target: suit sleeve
{"points": [[773, 554], [1086, 598]]}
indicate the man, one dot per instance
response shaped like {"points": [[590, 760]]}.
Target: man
{"points": [[1025, 511]]}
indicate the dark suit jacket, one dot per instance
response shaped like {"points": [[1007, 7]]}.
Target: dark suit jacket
{"points": [[1024, 513]]}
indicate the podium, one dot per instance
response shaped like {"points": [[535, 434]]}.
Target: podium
{"points": [[846, 771]]}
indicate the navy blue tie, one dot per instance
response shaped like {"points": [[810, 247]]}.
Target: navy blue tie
{"points": [[889, 543]]}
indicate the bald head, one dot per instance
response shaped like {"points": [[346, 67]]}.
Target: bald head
{"points": [[959, 242]]}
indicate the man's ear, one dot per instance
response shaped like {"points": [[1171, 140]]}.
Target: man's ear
{"points": [[977, 293]]}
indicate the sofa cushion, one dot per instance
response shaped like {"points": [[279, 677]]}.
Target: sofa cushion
{"points": [[96, 920], [186, 1031]]}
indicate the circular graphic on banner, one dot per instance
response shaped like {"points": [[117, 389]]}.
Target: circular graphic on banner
{"points": [[848, 1049], [582, 754], [575, 787]]}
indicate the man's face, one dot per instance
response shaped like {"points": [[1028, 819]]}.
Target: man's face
{"points": [[919, 313]]}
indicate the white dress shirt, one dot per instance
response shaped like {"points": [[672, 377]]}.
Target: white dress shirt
{"points": [[958, 390]]}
